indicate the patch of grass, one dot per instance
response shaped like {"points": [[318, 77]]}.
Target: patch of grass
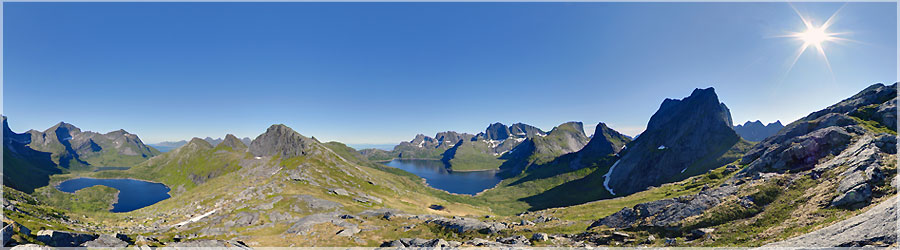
{"points": [[873, 126], [91, 199], [865, 117], [774, 203], [473, 156]]}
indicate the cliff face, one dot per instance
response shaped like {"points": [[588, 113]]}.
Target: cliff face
{"points": [[680, 136]]}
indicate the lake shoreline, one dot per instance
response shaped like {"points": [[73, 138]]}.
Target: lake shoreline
{"points": [[131, 194], [435, 174]]}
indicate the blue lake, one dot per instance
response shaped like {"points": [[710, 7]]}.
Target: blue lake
{"points": [[437, 176], [133, 194]]}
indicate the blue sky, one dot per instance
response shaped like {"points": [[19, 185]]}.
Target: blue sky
{"points": [[383, 72]]}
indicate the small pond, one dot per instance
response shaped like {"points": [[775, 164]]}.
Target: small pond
{"points": [[133, 194]]}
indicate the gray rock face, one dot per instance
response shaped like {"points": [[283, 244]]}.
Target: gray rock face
{"points": [[280, 140], [63, 239], [622, 219], [516, 240], [478, 242], [383, 213], [524, 130], [106, 241], [450, 138], [316, 204], [756, 131], [497, 131], [855, 195], [540, 237], [875, 227], [666, 212], [678, 136], [463, 225], [31, 247], [208, 244], [305, 224], [887, 114], [863, 171], [244, 219]]}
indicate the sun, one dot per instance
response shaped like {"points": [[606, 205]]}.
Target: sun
{"points": [[815, 37]]}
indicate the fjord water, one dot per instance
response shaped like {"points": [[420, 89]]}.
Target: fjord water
{"points": [[437, 176], [133, 194]]}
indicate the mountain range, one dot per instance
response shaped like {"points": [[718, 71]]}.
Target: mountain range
{"points": [[170, 145], [756, 131], [688, 180], [64, 148]]}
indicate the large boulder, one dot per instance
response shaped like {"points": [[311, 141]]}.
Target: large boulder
{"points": [[107, 241], [63, 239], [465, 225]]}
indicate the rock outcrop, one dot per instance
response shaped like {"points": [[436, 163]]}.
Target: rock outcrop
{"points": [[209, 244], [826, 132], [875, 227], [63, 239], [864, 164], [107, 241], [464, 225], [667, 212]]}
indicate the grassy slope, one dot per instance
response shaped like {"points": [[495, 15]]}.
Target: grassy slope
{"points": [[111, 158], [176, 168], [24, 174], [474, 156], [549, 147]]}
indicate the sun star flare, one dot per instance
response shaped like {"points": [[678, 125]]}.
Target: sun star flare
{"points": [[816, 37]]}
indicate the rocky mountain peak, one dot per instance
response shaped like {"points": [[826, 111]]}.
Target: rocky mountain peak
{"points": [[576, 127], [63, 129], [280, 140], [497, 131], [565, 138], [678, 138], [605, 141], [525, 130], [701, 104], [450, 138], [233, 142], [198, 143]]}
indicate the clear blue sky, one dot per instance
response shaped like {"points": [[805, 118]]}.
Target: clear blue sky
{"points": [[383, 72]]}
